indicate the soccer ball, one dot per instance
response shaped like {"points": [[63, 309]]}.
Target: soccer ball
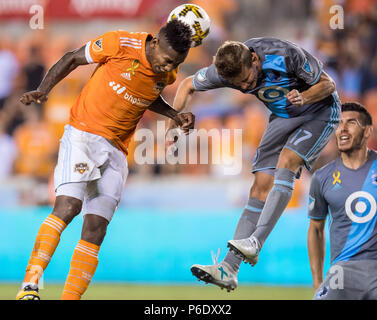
{"points": [[196, 18]]}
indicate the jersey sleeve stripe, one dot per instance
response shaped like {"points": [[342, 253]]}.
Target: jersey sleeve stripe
{"points": [[87, 53], [317, 218], [136, 41], [129, 45]]}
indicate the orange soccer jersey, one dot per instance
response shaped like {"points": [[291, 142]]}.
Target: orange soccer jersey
{"points": [[121, 89]]}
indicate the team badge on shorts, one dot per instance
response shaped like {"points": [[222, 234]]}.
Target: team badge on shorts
{"points": [[81, 167], [322, 292]]}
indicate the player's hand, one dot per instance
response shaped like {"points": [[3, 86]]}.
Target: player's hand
{"points": [[33, 96], [295, 98], [185, 121]]}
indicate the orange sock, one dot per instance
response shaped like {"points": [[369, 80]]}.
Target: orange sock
{"points": [[47, 240], [83, 266]]}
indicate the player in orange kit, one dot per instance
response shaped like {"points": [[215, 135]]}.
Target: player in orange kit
{"points": [[92, 165]]}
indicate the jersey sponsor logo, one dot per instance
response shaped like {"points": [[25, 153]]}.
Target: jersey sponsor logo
{"points": [[81, 167], [97, 45], [119, 89], [272, 93], [360, 207]]}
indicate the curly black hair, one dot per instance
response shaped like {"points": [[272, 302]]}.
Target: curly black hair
{"points": [[178, 35]]}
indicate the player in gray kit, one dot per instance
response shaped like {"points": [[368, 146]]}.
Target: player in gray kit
{"points": [[346, 191], [305, 112]]}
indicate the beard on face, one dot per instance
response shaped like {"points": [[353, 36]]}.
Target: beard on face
{"points": [[356, 143]]}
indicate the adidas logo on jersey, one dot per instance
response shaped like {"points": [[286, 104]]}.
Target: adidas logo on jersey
{"points": [[126, 75]]}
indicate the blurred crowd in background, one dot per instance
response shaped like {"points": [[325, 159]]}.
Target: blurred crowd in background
{"points": [[29, 135]]}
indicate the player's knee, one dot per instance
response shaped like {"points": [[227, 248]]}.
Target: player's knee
{"points": [[66, 208], [262, 185], [290, 160], [94, 229]]}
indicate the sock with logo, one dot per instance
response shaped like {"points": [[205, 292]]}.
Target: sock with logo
{"points": [[245, 227], [47, 240], [83, 266], [277, 200]]}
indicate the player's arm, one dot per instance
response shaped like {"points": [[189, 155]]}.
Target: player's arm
{"points": [[203, 80], [318, 211], [322, 89], [316, 250], [308, 69], [185, 120], [184, 93], [66, 64]]}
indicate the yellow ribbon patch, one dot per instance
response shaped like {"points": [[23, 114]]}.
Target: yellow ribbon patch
{"points": [[134, 65], [336, 176]]}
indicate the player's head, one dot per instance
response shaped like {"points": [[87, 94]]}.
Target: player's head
{"points": [[170, 47], [355, 127], [237, 64]]}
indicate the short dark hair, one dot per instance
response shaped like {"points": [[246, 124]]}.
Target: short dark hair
{"points": [[230, 59], [178, 35], [366, 118]]}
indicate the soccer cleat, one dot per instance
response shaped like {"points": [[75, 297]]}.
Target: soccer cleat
{"points": [[247, 249], [28, 293], [220, 274]]}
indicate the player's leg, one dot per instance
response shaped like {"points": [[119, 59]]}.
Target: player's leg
{"points": [[280, 194], [276, 202], [47, 240], [84, 260], [249, 219], [67, 206], [224, 274], [100, 203], [303, 146]]}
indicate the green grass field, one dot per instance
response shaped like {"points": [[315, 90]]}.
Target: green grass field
{"points": [[99, 291]]}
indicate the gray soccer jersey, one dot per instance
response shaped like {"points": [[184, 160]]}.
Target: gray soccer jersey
{"points": [[349, 197], [307, 129], [285, 66]]}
